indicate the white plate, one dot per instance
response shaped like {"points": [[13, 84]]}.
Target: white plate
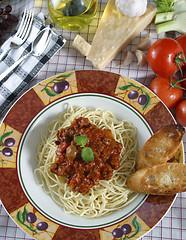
{"points": [[31, 138]]}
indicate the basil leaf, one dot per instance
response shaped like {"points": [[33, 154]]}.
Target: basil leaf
{"points": [[81, 140], [87, 154]]}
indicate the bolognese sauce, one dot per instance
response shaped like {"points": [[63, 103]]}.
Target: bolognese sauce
{"points": [[79, 174]]}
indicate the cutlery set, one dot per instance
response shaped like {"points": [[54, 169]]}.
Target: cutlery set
{"points": [[38, 45], [22, 33]]}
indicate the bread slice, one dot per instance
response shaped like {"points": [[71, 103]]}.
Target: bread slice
{"points": [[162, 179], [161, 146]]}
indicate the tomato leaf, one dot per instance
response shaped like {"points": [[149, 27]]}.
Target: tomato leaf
{"points": [[87, 154]]}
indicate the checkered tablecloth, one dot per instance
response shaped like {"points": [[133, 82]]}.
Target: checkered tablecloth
{"points": [[173, 225]]}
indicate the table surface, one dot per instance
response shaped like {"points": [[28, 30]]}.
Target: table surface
{"points": [[173, 225]]}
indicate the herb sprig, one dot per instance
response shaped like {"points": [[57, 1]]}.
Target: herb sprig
{"points": [[165, 5], [86, 152]]}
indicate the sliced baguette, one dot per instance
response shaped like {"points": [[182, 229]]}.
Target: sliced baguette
{"points": [[161, 146], [162, 179]]}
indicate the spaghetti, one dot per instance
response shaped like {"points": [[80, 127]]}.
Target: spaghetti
{"points": [[108, 195]]}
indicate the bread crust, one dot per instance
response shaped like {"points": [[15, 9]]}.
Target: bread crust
{"points": [[162, 179], [161, 146]]}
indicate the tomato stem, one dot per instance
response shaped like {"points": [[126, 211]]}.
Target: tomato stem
{"points": [[174, 84], [180, 60]]}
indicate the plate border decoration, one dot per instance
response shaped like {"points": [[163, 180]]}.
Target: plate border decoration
{"points": [[32, 103]]}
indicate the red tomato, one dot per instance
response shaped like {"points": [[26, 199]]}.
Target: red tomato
{"points": [[163, 55], [181, 113], [182, 41], [161, 87]]}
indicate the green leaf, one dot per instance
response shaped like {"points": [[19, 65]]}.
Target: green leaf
{"points": [[125, 87], [24, 214], [57, 79], [19, 216], [87, 154], [124, 237], [50, 92], [148, 101], [2, 162], [81, 140], [65, 75], [5, 135], [179, 154], [132, 85], [53, 81], [136, 225]]}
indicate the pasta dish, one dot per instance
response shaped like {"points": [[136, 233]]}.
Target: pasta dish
{"points": [[108, 192]]}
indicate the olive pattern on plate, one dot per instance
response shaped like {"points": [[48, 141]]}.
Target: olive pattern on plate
{"points": [[125, 232], [27, 219], [6, 143], [141, 94], [57, 85]]}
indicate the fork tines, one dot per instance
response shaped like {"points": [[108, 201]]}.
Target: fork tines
{"points": [[25, 25]]}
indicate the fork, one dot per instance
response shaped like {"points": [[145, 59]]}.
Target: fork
{"points": [[22, 33]]}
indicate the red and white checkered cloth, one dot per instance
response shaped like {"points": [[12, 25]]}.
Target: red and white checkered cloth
{"points": [[173, 225]]}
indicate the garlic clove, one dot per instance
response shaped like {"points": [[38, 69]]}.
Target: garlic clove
{"points": [[141, 57], [145, 43], [128, 59]]}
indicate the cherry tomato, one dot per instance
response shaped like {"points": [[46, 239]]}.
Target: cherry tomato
{"points": [[181, 113], [182, 41], [161, 87], [164, 57]]}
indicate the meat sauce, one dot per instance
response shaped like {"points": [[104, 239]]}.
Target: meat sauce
{"points": [[79, 174]]}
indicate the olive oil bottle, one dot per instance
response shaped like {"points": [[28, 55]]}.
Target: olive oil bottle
{"points": [[72, 14]]}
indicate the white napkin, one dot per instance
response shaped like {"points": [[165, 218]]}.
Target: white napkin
{"points": [[14, 84]]}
